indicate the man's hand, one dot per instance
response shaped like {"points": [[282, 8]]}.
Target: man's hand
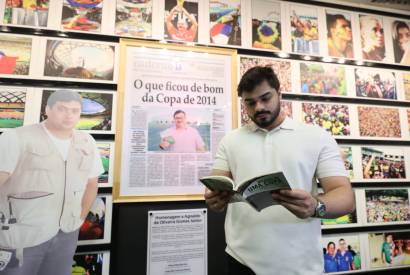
{"points": [[297, 201], [217, 200], [164, 144]]}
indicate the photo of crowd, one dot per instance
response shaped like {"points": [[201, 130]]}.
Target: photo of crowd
{"points": [[389, 249], [390, 205], [281, 68], [375, 84], [304, 30], [406, 84], [347, 157], [334, 118], [379, 122], [316, 78], [341, 253], [266, 25], [383, 163]]}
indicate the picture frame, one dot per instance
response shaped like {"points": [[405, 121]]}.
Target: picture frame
{"points": [[96, 228], [96, 263], [77, 60], [141, 95], [107, 153], [98, 114]]}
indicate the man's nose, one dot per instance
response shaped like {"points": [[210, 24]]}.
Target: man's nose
{"points": [[259, 106]]}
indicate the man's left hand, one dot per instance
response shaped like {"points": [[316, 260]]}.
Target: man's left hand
{"points": [[297, 201]]}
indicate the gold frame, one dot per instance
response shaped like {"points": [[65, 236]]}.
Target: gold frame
{"points": [[124, 43]]}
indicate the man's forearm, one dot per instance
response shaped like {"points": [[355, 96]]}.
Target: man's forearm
{"points": [[339, 202], [89, 197]]}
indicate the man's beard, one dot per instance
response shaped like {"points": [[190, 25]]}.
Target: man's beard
{"points": [[266, 123]]}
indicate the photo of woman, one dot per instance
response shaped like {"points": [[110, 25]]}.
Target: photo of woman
{"points": [[401, 42]]}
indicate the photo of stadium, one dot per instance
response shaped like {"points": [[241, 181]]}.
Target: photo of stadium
{"points": [[96, 112], [78, 59], [12, 103]]}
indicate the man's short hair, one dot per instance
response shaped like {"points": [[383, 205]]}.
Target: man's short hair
{"points": [[255, 76], [331, 20], [64, 96], [179, 112], [330, 243]]}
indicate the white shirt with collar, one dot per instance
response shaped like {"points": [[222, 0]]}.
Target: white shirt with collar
{"points": [[274, 241]]}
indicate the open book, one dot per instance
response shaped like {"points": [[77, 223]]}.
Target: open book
{"points": [[256, 191]]}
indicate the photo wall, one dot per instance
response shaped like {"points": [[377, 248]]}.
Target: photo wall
{"points": [[252, 24], [319, 52]]}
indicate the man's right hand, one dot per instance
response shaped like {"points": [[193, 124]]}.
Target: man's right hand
{"points": [[164, 144], [217, 200]]}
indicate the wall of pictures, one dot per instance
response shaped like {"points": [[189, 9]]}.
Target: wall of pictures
{"points": [[345, 69]]}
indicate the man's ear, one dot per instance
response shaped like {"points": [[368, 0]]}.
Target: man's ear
{"points": [[47, 110]]}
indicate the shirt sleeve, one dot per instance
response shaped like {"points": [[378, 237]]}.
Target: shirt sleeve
{"points": [[330, 163], [9, 151], [221, 158], [199, 142], [97, 168]]}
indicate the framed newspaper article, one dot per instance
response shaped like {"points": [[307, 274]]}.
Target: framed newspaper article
{"points": [[175, 104]]}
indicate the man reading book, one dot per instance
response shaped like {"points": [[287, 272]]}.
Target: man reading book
{"points": [[263, 242]]}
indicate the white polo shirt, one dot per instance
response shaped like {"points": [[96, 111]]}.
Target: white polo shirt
{"points": [[274, 241]]}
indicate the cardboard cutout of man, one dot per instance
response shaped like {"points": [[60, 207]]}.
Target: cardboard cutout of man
{"points": [[48, 182]]}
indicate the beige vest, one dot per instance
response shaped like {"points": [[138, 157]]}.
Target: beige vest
{"points": [[44, 191]]}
